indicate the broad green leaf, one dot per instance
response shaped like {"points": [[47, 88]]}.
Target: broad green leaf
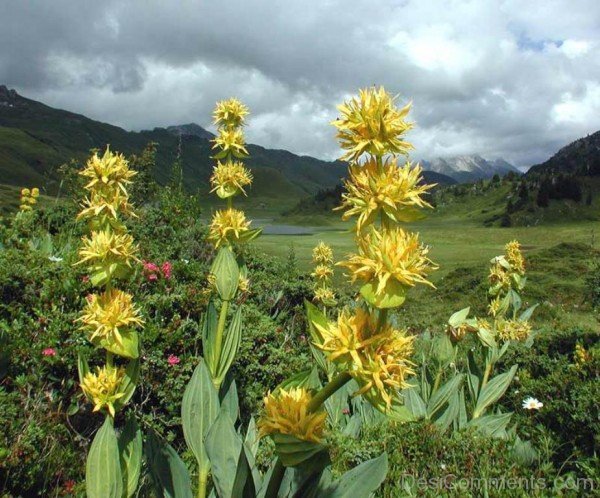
{"points": [[293, 451], [414, 403], [462, 410], [103, 478], [252, 439], [82, 367], [486, 337], [459, 317], [493, 391], [492, 425], [199, 409], [226, 272], [223, 446], [359, 482], [392, 296], [526, 315], [442, 395], [306, 378], [450, 413], [243, 483], [169, 473], [232, 341], [129, 382], [129, 347], [443, 349], [229, 400], [315, 316], [130, 449], [303, 480]]}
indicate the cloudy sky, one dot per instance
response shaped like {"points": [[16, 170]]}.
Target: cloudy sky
{"points": [[514, 78]]}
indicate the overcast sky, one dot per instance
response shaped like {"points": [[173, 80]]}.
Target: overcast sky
{"points": [[515, 78]]}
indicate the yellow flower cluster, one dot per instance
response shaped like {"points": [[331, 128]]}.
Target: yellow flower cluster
{"points": [[29, 198], [322, 257], [108, 314], [513, 330], [389, 261], [507, 271], [377, 187], [229, 226], [286, 412], [107, 180], [103, 387], [109, 318], [230, 113], [376, 354], [230, 178], [372, 124]]}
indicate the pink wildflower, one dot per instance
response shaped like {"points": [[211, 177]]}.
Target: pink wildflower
{"points": [[153, 276], [173, 360], [166, 269], [148, 266], [49, 352]]}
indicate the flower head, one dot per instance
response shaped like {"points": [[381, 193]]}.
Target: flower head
{"points": [[49, 352], [230, 226], [230, 141], [325, 296], [106, 205], [376, 355], [173, 360], [372, 124], [389, 261], [514, 256], [322, 272], [230, 113], [532, 404], [166, 269], [107, 174], [102, 387], [230, 178], [108, 254], [373, 188], [28, 198], [286, 412], [513, 330], [322, 254], [107, 315]]}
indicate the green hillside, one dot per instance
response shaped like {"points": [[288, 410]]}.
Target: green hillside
{"points": [[35, 138]]}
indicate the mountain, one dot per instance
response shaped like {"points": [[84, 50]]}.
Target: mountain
{"points": [[581, 157], [469, 168], [191, 129], [34, 138]]}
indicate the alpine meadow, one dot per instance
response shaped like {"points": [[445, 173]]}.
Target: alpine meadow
{"points": [[185, 314]]}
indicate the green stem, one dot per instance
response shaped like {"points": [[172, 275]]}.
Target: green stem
{"points": [[202, 480], [109, 359], [438, 379], [229, 202], [220, 331], [328, 390], [382, 318], [486, 375]]}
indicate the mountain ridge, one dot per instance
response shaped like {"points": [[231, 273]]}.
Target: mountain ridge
{"points": [[469, 167]]}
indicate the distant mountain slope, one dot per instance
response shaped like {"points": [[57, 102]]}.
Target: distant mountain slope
{"points": [[35, 137], [468, 168], [581, 157]]}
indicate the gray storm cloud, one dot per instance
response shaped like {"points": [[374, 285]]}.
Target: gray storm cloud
{"points": [[499, 78]]}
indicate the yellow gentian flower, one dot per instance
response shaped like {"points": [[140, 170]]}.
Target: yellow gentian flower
{"points": [[230, 113], [286, 412], [102, 387], [389, 261], [230, 178], [375, 187], [372, 124], [106, 315], [230, 141]]}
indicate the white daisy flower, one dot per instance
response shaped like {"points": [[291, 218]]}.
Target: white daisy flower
{"points": [[532, 404]]}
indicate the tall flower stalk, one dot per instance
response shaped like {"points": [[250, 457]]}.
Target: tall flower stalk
{"points": [[361, 343], [110, 320], [228, 279]]}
